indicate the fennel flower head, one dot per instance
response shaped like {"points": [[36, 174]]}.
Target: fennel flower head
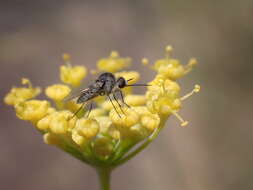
{"points": [[108, 135]]}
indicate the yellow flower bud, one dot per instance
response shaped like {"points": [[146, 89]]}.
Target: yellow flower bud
{"points": [[72, 75], [169, 49], [113, 63], [51, 139], [95, 113], [133, 75], [135, 100], [72, 106], [87, 128], [126, 120], [141, 110], [17, 95], [57, 92], [136, 132], [57, 122], [43, 124], [113, 132], [66, 57], [173, 70], [102, 146], [150, 121], [171, 88], [107, 105], [32, 110], [144, 61], [78, 139], [104, 123]]}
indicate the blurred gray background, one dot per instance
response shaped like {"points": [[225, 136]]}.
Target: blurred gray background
{"points": [[213, 153]]}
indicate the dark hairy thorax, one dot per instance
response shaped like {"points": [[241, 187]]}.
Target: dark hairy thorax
{"points": [[108, 80]]}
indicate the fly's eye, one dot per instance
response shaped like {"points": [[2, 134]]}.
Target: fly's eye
{"points": [[121, 82]]}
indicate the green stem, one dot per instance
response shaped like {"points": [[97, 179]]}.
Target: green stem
{"points": [[104, 177], [139, 149]]}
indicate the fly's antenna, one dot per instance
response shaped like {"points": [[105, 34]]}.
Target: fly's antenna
{"points": [[130, 79], [138, 85]]}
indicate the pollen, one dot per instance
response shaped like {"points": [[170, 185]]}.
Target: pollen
{"points": [[57, 92]]}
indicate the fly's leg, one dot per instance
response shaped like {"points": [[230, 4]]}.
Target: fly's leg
{"points": [[90, 108], [79, 109], [113, 105], [122, 99], [118, 104]]}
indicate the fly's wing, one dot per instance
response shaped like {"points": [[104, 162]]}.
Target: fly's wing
{"points": [[91, 92], [74, 95]]}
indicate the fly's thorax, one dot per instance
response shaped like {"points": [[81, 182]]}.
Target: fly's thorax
{"points": [[109, 82]]}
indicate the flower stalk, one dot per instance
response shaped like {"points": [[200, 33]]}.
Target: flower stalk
{"points": [[104, 175]]}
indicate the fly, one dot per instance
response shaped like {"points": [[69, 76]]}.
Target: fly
{"points": [[105, 85]]}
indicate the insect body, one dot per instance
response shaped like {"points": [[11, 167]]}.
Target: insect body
{"points": [[105, 85]]}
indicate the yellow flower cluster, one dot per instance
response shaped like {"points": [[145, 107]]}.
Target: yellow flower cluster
{"points": [[21, 94], [112, 128]]}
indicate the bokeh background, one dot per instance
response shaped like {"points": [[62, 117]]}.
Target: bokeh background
{"points": [[213, 153]]}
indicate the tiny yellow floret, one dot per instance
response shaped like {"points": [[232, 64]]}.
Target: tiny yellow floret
{"points": [[32, 110], [51, 139], [17, 95], [66, 57], [57, 92], [135, 100], [150, 121], [102, 146], [59, 122], [128, 119], [72, 75], [87, 128], [113, 63], [144, 61], [169, 49]]}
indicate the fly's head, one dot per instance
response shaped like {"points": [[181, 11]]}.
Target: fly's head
{"points": [[121, 82]]}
